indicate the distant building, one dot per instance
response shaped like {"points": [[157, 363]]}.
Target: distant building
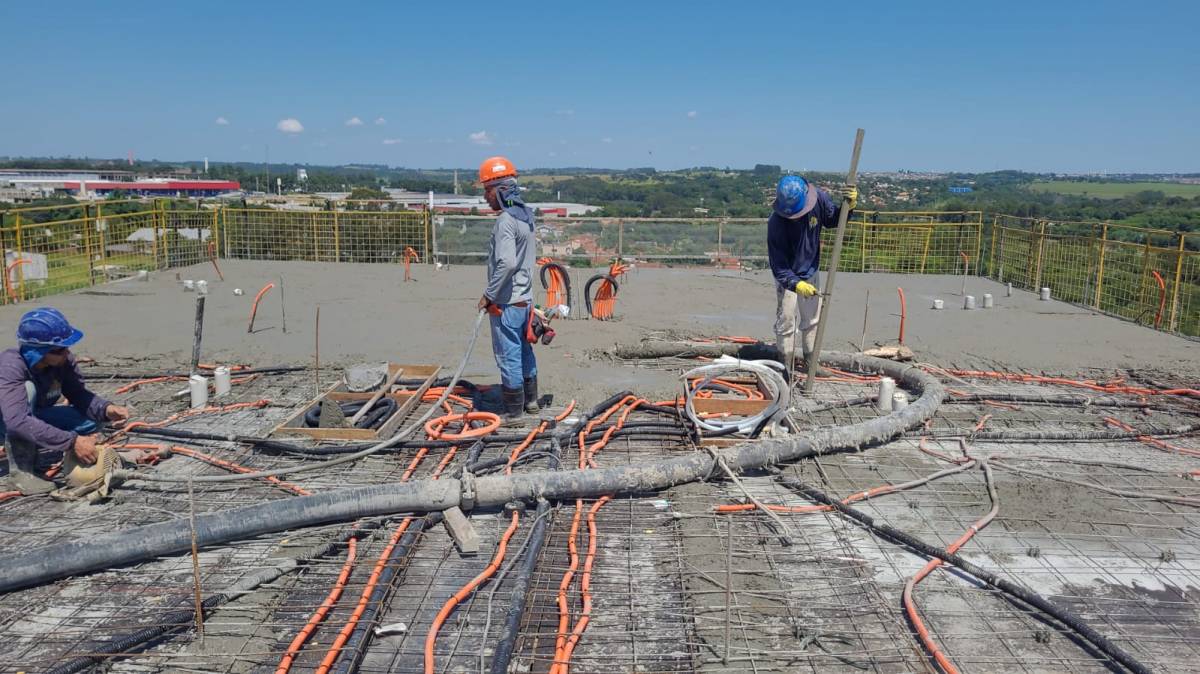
{"points": [[962, 190], [27, 184], [301, 175]]}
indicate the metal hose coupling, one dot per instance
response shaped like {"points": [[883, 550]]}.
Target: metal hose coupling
{"points": [[467, 497]]}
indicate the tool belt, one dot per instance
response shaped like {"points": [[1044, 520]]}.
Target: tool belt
{"points": [[537, 330]]}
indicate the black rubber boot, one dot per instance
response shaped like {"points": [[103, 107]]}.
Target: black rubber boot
{"points": [[514, 405], [22, 468], [531, 396]]}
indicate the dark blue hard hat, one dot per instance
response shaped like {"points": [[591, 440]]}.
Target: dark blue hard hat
{"points": [[46, 327], [794, 197]]}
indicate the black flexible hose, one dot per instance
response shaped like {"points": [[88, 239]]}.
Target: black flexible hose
{"points": [[503, 651], [136, 642], [278, 369], [587, 290], [360, 638], [381, 410], [566, 277], [184, 617], [1029, 597], [1067, 436], [1061, 399]]}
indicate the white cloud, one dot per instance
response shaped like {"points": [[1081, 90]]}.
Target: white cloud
{"points": [[565, 113], [392, 141], [379, 121], [692, 114], [606, 139], [221, 121], [290, 125], [552, 154], [481, 138], [354, 121]]}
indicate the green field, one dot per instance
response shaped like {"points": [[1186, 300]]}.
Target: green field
{"points": [[1114, 190]]}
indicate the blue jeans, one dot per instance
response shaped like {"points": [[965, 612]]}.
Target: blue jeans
{"points": [[514, 355], [62, 417]]}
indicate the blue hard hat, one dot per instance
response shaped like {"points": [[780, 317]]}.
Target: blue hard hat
{"points": [[794, 197], [46, 327]]}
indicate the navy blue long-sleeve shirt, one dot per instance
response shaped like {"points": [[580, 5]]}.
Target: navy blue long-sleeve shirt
{"points": [[794, 246]]}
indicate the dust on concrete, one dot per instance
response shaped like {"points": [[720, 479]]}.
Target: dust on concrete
{"points": [[369, 313]]}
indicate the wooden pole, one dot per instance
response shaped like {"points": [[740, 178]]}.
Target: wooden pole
{"points": [[195, 564], [282, 305], [862, 343], [317, 354], [197, 333], [827, 290]]}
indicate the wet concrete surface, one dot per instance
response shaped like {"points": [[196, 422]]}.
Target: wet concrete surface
{"points": [[369, 313]]}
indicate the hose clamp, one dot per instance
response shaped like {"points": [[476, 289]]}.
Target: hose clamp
{"points": [[467, 500]]}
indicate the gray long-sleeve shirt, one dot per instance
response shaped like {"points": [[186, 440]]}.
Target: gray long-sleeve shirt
{"points": [[50, 383], [511, 254]]}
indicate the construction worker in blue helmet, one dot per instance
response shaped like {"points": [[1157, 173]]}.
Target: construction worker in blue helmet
{"points": [[801, 211], [33, 378]]}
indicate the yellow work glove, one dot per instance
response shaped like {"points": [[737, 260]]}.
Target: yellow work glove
{"points": [[851, 196], [805, 289]]}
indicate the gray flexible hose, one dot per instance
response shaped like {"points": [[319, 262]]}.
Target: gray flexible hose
{"points": [[37, 566], [345, 458]]}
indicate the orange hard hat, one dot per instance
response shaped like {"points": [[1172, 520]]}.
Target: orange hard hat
{"points": [[495, 168]]}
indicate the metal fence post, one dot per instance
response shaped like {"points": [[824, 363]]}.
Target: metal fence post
{"points": [[992, 251], [1100, 264], [88, 226], [1037, 275], [161, 221], [428, 228], [979, 245], [720, 239], [214, 235], [20, 267], [620, 238], [1173, 323], [864, 246]]}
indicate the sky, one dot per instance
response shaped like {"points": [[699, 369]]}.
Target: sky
{"points": [[1039, 86]]}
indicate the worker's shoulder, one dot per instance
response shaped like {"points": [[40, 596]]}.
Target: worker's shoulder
{"points": [[508, 221], [12, 362]]}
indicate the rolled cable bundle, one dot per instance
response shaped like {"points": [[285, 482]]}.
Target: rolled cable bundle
{"points": [[770, 376]]}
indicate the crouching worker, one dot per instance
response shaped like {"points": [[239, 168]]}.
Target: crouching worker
{"points": [[508, 297], [33, 377]]}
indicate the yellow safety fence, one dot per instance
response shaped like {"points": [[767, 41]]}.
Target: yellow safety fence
{"points": [[323, 236], [1149, 276], [1144, 275]]}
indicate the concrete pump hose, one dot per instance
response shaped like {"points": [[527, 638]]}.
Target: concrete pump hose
{"points": [[41, 565]]}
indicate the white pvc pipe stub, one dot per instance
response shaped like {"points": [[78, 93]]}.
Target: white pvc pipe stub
{"points": [[938, 304], [969, 302], [887, 392], [1008, 292], [1045, 295], [198, 387], [899, 401], [222, 382], [988, 302]]}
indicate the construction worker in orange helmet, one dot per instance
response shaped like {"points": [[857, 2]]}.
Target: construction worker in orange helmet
{"points": [[508, 297]]}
